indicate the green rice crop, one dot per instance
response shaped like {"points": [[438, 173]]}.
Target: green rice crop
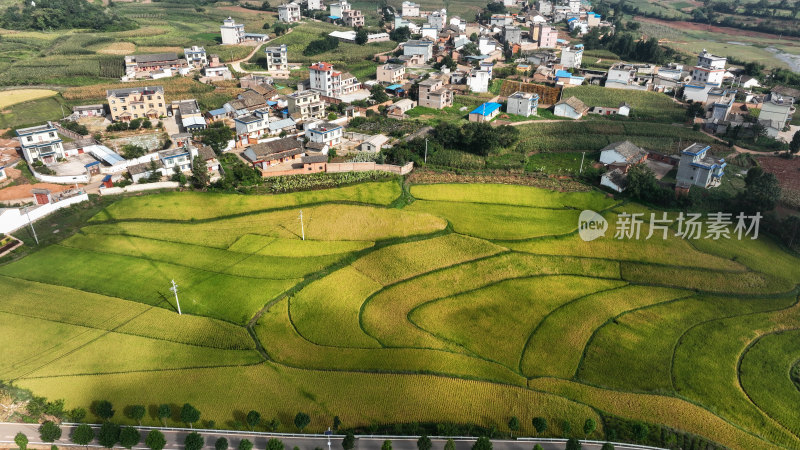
{"points": [[501, 221], [397, 262], [197, 205], [504, 194], [271, 246], [705, 280], [556, 347], [326, 311], [495, 322], [384, 315]]}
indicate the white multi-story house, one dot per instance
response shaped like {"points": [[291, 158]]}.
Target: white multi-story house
{"points": [[196, 56], [438, 19], [423, 48], [41, 143], [512, 35], [315, 5], [410, 9], [478, 80], [391, 73], [277, 58], [180, 158], [337, 9], [353, 18], [250, 127], [575, 6], [330, 83], [572, 57], [776, 112], [136, 103], [710, 69], [232, 32], [500, 20], [306, 105], [486, 45], [548, 36], [523, 104], [289, 12], [326, 133]]}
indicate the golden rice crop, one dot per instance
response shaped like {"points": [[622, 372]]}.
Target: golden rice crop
{"points": [[272, 246], [705, 280], [506, 194]]}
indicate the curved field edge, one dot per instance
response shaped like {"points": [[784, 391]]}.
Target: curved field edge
{"points": [[280, 391], [669, 411], [189, 206], [764, 374]]}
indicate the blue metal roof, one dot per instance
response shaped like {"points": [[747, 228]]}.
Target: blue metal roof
{"points": [[334, 17], [563, 74], [218, 112], [486, 108], [394, 86]]}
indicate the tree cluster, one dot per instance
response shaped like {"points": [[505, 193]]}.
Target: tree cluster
{"points": [[474, 137], [326, 44], [134, 124], [45, 15]]}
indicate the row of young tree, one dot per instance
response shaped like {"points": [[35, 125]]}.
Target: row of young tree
{"points": [[111, 434]]}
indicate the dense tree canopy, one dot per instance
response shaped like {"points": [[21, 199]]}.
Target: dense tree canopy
{"points": [[62, 14]]}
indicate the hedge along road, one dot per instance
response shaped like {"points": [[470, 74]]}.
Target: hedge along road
{"points": [[175, 438]]}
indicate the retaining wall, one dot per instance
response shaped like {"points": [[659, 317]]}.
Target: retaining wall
{"points": [[14, 219]]}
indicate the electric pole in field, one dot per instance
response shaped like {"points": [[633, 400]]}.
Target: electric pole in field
{"points": [[33, 231], [583, 156], [426, 150], [302, 227], [174, 289]]}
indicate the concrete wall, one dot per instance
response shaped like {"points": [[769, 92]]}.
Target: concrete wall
{"points": [[140, 187], [367, 166], [71, 179], [14, 219]]}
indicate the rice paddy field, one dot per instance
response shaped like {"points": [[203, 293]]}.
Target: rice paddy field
{"points": [[463, 304]]}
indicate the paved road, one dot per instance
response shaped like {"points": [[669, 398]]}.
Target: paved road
{"points": [[175, 439]]}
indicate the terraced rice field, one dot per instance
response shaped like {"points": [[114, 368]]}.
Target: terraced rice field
{"points": [[471, 304]]}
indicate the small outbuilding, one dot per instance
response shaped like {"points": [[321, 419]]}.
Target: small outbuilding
{"points": [[485, 112]]}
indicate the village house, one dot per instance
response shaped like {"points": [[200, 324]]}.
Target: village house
{"points": [[438, 19], [272, 153], [326, 133], [478, 80], [353, 18], [218, 72], [487, 45], [179, 158], [512, 35], [251, 127], [89, 110], [196, 56], [698, 168], [207, 155], [337, 9], [571, 107], [571, 57], [127, 104], [433, 94], [398, 109], [287, 125], [374, 144], [233, 33], [277, 58], [564, 78], [289, 12], [391, 73], [330, 83], [623, 109], [485, 112], [189, 114], [415, 47], [719, 104], [623, 153], [547, 36], [501, 20], [306, 105], [147, 65], [776, 112], [409, 9], [315, 5], [41, 143], [523, 104], [145, 170]]}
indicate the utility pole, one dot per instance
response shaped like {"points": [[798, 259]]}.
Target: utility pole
{"points": [[174, 289], [33, 231], [426, 150], [302, 227], [582, 157]]}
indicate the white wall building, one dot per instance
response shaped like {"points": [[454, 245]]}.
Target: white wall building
{"points": [[337, 9], [572, 57], [232, 32], [424, 48], [438, 19], [326, 133], [196, 56], [330, 83], [478, 81], [277, 58], [250, 127], [289, 12], [523, 104], [409, 9], [315, 5], [41, 143]]}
